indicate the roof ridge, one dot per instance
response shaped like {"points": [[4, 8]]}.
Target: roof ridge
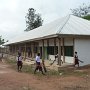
{"points": [[63, 24]]}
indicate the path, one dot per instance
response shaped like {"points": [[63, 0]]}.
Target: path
{"points": [[13, 80]]}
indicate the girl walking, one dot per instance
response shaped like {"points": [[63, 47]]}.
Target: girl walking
{"points": [[38, 64]]}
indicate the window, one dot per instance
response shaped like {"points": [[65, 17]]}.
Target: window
{"points": [[68, 50], [50, 50]]}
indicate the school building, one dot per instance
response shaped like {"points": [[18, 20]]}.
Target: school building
{"points": [[63, 36]]}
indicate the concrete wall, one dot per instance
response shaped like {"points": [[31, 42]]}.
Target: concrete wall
{"points": [[68, 41], [82, 46]]}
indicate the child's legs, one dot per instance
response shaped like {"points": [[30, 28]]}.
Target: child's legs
{"points": [[37, 67], [40, 69], [78, 64], [20, 67]]}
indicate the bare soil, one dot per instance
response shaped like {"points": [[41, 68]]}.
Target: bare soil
{"points": [[10, 79]]}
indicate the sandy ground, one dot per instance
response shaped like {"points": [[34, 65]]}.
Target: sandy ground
{"points": [[12, 80]]}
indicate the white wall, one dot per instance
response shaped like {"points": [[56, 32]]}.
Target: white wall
{"points": [[82, 46], [67, 58], [51, 42], [68, 41]]}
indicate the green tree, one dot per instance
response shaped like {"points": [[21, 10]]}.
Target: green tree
{"points": [[83, 10], [33, 20], [87, 17], [1, 40]]}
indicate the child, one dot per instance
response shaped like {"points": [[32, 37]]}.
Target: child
{"points": [[76, 59], [19, 62], [38, 64]]}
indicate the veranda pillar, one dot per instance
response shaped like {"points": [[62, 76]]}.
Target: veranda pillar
{"points": [[63, 50], [59, 51]]}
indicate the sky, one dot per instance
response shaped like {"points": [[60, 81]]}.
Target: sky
{"points": [[13, 12]]}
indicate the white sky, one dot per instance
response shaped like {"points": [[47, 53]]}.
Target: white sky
{"points": [[13, 12]]}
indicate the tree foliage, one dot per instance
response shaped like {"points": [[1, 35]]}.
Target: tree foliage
{"points": [[1, 40], [33, 20], [87, 17], [81, 11]]}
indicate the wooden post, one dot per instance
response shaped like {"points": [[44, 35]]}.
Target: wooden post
{"points": [[0, 49], [32, 49], [25, 52], [42, 49], [54, 46], [43, 56], [73, 46], [38, 47], [15, 50], [59, 51], [9, 49], [47, 47], [19, 48], [63, 50]]}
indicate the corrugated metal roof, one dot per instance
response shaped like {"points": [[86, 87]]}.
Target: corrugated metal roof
{"points": [[70, 24], [76, 26]]}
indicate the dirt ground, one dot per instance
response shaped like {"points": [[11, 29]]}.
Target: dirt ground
{"points": [[10, 79]]}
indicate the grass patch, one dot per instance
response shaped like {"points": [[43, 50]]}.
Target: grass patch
{"points": [[11, 61], [27, 69], [72, 72], [52, 72], [30, 68], [61, 72]]}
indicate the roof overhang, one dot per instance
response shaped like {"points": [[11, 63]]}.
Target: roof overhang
{"points": [[31, 40], [52, 36]]}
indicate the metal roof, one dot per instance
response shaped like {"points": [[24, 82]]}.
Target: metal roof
{"points": [[69, 25]]}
